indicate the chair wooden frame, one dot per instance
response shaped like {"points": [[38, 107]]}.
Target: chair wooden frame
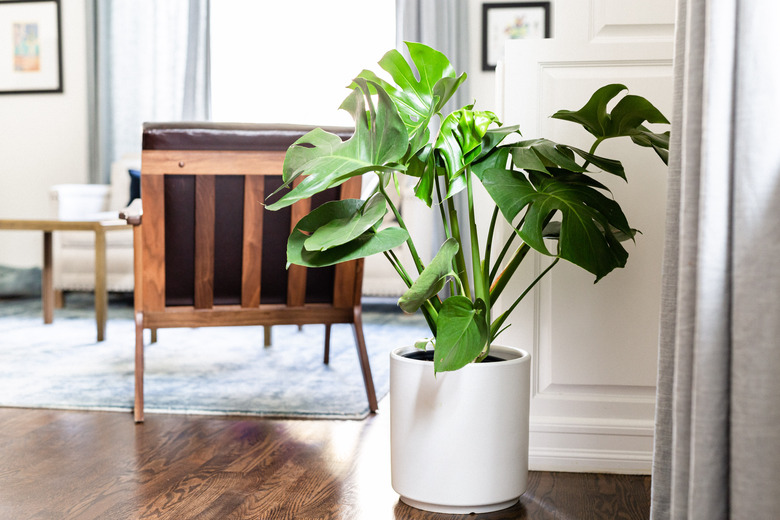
{"points": [[151, 310]]}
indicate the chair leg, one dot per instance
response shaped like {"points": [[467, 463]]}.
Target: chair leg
{"points": [[266, 335], [154, 335], [360, 341], [59, 299], [326, 358], [138, 408]]}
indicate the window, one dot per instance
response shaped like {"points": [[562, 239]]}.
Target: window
{"points": [[289, 62]]}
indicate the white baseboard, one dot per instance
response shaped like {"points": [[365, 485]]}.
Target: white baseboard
{"points": [[590, 461], [591, 446]]}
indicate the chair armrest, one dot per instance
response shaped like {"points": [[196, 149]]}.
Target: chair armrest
{"points": [[133, 213]]}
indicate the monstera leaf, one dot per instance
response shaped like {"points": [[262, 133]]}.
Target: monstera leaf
{"points": [[460, 142], [587, 216], [432, 279], [625, 119], [462, 333], [539, 154], [366, 244], [339, 231], [418, 100], [378, 142]]}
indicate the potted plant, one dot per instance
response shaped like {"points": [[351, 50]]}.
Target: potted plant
{"points": [[458, 419]]}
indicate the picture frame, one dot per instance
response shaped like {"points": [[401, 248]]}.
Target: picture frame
{"points": [[30, 47], [507, 21]]}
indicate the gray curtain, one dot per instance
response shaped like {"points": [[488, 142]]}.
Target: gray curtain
{"points": [[717, 444], [150, 62]]}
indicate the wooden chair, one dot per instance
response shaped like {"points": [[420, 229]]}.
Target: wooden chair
{"points": [[208, 254]]}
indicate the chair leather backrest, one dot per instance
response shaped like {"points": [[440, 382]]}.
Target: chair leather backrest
{"points": [[203, 186]]}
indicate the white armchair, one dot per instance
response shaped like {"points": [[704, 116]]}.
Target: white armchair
{"points": [[74, 252]]}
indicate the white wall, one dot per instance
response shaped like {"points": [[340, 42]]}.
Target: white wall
{"points": [[577, 21], [43, 141], [594, 347]]}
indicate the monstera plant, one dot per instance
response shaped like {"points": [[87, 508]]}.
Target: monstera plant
{"points": [[542, 189]]}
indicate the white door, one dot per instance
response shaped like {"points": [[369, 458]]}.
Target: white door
{"points": [[594, 346]]}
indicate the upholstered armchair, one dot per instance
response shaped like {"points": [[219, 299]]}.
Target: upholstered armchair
{"points": [[74, 252]]}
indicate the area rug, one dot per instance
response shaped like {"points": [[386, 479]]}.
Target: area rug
{"points": [[221, 370]]}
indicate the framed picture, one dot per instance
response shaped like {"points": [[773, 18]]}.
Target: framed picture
{"points": [[30, 47], [511, 21]]}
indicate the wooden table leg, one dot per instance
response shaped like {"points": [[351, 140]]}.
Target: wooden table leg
{"points": [[101, 293], [47, 285]]}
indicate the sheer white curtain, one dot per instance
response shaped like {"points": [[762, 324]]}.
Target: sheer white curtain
{"points": [[150, 63], [717, 452]]}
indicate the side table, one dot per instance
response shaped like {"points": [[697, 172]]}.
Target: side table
{"points": [[97, 226]]}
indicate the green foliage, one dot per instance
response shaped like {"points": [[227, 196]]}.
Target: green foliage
{"points": [[378, 142], [543, 189], [340, 231], [625, 120], [431, 281], [417, 101], [587, 215], [462, 333], [368, 243]]}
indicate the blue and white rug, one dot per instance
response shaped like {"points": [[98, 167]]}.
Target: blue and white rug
{"points": [[221, 370]]}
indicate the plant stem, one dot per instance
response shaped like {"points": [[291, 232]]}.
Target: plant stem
{"points": [[460, 259], [481, 289], [444, 219], [412, 249], [501, 319], [489, 246], [398, 266], [592, 151], [504, 251], [503, 279], [429, 310], [431, 316], [514, 263], [445, 224]]}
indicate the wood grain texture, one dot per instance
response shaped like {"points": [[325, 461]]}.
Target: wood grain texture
{"points": [[212, 162], [138, 267], [365, 368], [101, 292], [153, 238], [98, 465], [180, 307], [204, 241], [252, 259], [234, 315]]}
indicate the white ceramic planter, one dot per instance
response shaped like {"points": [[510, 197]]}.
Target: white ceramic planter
{"points": [[459, 440]]}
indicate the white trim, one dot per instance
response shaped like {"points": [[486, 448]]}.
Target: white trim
{"points": [[591, 445], [590, 461]]}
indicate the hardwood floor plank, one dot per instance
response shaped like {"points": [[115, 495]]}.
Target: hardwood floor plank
{"points": [[100, 465]]}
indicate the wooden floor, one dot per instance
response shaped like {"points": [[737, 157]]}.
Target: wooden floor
{"points": [[100, 465]]}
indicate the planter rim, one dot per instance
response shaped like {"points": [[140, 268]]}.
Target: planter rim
{"points": [[513, 355]]}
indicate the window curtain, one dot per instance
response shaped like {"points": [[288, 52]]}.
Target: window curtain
{"points": [[717, 443], [150, 62]]}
